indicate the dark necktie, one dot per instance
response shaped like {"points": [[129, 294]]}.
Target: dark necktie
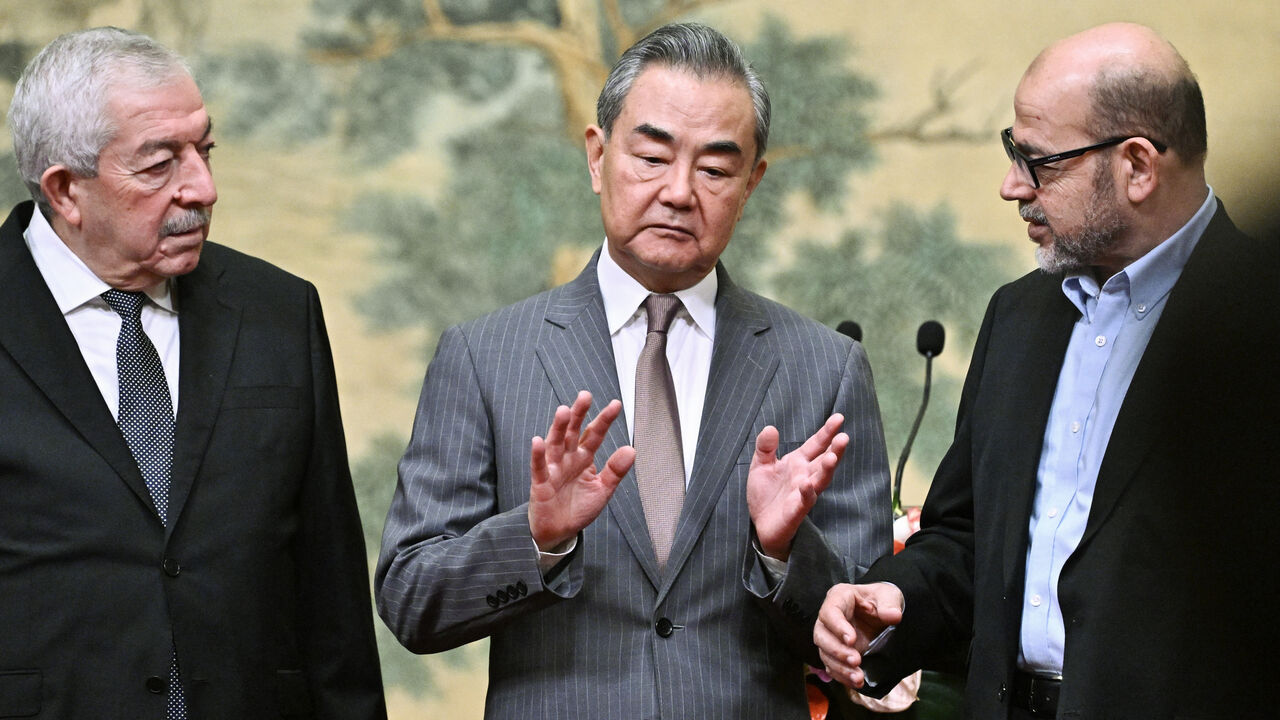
{"points": [[146, 420], [659, 457]]}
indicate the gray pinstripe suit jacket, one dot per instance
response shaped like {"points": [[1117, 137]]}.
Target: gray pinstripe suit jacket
{"points": [[607, 635]]}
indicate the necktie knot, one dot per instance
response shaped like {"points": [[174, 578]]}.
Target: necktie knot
{"points": [[127, 304], [661, 310]]}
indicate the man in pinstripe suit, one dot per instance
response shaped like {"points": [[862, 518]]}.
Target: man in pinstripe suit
{"points": [[544, 545]]}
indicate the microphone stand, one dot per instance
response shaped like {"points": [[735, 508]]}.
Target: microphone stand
{"points": [[911, 438]]}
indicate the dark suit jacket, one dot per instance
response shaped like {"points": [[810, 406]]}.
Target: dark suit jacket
{"points": [[260, 580], [1169, 600], [609, 636]]}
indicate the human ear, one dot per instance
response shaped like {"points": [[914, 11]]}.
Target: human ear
{"points": [[1141, 168], [595, 155], [62, 191]]}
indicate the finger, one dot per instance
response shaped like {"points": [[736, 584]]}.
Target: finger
{"points": [[822, 471], [880, 602], [839, 444], [555, 435], [593, 436], [617, 466], [581, 406], [537, 463], [836, 668], [839, 608], [819, 442], [841, 665], [766, 446]]}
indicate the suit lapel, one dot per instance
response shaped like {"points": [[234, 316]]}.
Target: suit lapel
{"points": [[1141, 417], [38, 339], [208, 323], [577, 354], [743, 361]]}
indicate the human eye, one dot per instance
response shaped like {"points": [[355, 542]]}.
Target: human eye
{"points": [[206, 150], [158, 167]]}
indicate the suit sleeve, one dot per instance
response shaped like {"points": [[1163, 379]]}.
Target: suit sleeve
{"points": [[453, 568], [847, 529], [935, 570], [337, 643]]}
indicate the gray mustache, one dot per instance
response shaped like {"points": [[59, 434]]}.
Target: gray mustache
{"points": [[1033, 213], [187, 221]]}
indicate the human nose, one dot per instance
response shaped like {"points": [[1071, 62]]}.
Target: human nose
{"points": [[1016, 185], [677, 188], [196, 186]]}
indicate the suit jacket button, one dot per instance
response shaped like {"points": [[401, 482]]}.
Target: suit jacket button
{"points": [[156, 685], [513, 592], [521, 588], [1002, 694], [172, 567], [664, 628], [502, 596], [493, 601]]}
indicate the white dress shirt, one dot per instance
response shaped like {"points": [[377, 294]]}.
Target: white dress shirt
{"points": [[689, 343], [94, 324]]}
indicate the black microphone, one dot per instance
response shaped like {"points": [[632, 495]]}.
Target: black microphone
{"points": [[850, 328], [930, 338], [929, 341]]}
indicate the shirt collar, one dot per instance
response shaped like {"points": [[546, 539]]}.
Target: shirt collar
{"points": [[1149, 278], [71, 281], [623, 295]]}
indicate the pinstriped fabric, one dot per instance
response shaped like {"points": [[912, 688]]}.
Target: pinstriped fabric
{"points": [[584, 644]]}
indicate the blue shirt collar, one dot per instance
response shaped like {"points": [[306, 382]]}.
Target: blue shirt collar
{"points": [[1149, 278]]}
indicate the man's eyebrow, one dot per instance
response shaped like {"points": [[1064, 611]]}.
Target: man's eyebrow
{"points": [[653, 133], [728, 147], [723, 146], [173, 145]]}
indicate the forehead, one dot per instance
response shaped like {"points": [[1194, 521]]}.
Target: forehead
{"points": [[709, 108], [146, 112], [1051, 108]]}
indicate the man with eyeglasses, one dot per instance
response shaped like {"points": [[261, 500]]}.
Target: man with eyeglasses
{"points": [[1099, 533]]}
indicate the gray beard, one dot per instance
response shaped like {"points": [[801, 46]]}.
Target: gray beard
{"points": [[1100, 230]]}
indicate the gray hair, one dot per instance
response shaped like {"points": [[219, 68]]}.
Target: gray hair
{"points": [[1163, 106], [59, 114], [691, 47]]}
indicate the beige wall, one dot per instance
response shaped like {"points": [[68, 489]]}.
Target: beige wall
{"points": [[283, 204]]}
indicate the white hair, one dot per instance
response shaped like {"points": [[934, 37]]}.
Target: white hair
{"points": [[59, 114]]}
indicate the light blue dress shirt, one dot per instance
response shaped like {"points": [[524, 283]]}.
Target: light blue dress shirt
{"points": [[1107, 342]]}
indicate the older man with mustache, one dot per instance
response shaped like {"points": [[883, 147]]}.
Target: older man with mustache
{"points": [[178, 532]]}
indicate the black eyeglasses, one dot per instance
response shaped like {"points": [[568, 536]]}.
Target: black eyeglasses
{"points": [[1029, 164]]}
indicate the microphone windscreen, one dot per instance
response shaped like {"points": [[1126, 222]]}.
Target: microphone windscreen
{"points": [[850, 328], [930, 338]]}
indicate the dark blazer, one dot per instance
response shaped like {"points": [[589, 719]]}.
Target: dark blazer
{"points": [[609, 636], [1169, 600], [260, 580]]}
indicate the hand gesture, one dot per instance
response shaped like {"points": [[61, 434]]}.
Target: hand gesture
{"points": [[565, 491], [850, 618], [780, 491]]}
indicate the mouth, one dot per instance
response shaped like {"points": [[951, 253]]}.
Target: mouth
{"points": [[674, 231], [191, 222], [1037, 223]]}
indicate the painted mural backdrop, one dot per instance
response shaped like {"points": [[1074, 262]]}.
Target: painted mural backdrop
{"points": [[422, 162]]}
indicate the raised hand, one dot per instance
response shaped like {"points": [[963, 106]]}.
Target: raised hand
{"points": [[780, 491], [565, 491], [850, 618]]}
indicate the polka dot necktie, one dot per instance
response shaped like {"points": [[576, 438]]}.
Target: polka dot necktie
{"points": [[146, 420], [659, 455]]}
